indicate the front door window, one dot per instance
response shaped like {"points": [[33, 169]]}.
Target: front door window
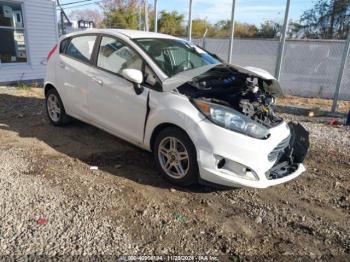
{"points": [[114, 56]]}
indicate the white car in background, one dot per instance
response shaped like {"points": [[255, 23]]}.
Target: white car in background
{"points": [[204, 120]]}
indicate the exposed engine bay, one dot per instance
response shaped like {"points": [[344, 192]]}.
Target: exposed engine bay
{"points": [[246, 93]]}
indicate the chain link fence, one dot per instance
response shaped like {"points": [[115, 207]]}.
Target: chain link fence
{"points": [[310, 68], [345, 87]]}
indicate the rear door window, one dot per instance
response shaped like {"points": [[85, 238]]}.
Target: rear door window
{"points": [[81, 47]]}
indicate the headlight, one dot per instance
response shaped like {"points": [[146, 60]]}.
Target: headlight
{"points": [[231, 119]]}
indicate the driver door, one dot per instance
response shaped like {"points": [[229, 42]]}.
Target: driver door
{"points": [[113, 102]]}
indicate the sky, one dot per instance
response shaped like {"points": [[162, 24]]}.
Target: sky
{"points": [[247, 11]]}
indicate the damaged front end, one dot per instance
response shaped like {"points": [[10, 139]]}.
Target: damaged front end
{"points": [[249, 91], [243, 99], [289, 155]]}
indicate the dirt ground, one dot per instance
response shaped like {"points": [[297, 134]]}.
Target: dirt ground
{"points": [[323, 104], [53, 204]]}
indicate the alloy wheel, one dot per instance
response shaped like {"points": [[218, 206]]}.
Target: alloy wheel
{"points": [[53, 107], [173, 157]]}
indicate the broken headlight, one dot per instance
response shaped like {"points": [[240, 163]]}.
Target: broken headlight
{"points": [[231, 119]]}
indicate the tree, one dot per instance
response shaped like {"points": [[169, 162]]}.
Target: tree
{"points": [[89, 15], [125, 18], [221, 29], [112, 5], [245, 30], [199, 26], [295, 30], [269, 29], [121, 13], [171, 23], [327, 19]]}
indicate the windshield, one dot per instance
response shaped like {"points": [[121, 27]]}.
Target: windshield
{"points": [[174, 56]]}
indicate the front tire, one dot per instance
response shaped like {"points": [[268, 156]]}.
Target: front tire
{"points": [[55, 109], [176, 157]]}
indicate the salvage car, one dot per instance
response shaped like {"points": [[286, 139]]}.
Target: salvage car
{"points": [[204, 120]]}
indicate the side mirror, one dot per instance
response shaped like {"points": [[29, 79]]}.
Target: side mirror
{"points": [[136, 77], [133, 75]]}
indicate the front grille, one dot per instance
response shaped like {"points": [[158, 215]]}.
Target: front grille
{"points": [[277, 152]]}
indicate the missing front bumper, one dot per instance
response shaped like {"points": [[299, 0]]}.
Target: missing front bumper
{"points": [[293, 154]]}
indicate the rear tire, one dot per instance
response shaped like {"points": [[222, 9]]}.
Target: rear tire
{"points": [[175, 156], [55, 109]]}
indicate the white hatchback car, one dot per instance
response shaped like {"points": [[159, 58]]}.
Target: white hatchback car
{"points": [[204, 120]]}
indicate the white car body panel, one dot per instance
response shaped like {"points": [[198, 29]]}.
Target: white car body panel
{"points": [[109, 102], [173, 109], [74, 85], [171, 83], [116, 107]]}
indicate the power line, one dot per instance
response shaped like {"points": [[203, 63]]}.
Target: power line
{"points": [[76, 6], [76, 2]]}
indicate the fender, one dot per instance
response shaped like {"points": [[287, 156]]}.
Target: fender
{"points": [[186, 116], [58, 91]]}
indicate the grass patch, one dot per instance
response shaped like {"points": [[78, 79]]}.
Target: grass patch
{"points": [[25, 85]]}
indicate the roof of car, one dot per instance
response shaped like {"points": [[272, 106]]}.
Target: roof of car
{"points": [[129, 33]]}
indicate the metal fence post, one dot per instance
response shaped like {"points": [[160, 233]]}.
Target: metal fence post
{"points": [[341, 73], [204, 42], [190, 21], [229, 58], [146, 16], [155, 16], [282, 42]]}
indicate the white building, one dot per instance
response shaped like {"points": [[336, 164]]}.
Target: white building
{"points": [[76, 25], [28, 31]]}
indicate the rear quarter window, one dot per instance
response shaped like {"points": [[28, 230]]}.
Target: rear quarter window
{"points": [[64, 44]]}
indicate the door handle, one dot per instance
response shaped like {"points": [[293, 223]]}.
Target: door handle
{"points": [[98, 81], [62, 65]]}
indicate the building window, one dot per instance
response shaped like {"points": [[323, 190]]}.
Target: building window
{"points": [[12, 44]]}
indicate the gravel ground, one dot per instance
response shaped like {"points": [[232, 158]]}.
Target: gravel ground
{"points": [[53, 204]]}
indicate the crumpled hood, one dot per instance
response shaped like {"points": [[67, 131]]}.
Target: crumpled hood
{"points": [[273, 87]]}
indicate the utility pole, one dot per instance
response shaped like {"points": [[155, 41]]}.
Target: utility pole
{"points": [[229, 58], [63, 16], [63, 29], [155, 16], [190, 21], [282, 42], [146, 16]]}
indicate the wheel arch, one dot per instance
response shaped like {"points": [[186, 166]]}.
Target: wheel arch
{"points": [[159, 128], [49, 86]]}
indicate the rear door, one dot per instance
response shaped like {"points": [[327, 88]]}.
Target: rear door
{"points": [[73, 65]]}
